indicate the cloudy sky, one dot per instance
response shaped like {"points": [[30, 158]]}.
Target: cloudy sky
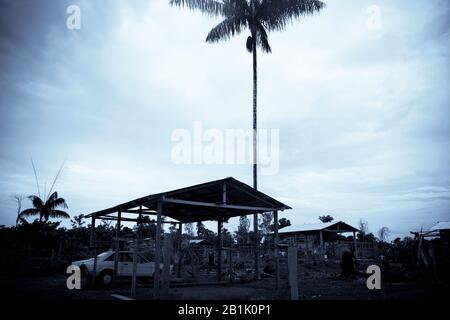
{"points": [[362, 107]]}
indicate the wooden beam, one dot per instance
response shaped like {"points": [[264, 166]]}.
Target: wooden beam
{"points": [[140, 211], [116, 219], [156, 277], [217, 205], [135, 220], [254, 196]]}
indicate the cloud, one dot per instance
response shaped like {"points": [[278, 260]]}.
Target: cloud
{"points": [[362, 113]]}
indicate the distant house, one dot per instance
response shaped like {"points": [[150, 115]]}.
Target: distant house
{"points": [[443, 228], [319, 238], [199, 242]]}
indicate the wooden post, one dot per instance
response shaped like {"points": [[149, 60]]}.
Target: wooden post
{"points": [[293, 277], [94, 272], [277, 259], [166, 266], [140, 222], [306, 247], [133, 279], [355, 245], [180, 242], [156, 277], [219, 234], [117, 246], [322, 251], [219, 249], [94, 244], [224, 193], [419, 250], [230, 264], [91, 241], [256, 245]]}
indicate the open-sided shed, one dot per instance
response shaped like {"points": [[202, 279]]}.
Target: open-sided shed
{"points": [[217, 200], [319, 229]]}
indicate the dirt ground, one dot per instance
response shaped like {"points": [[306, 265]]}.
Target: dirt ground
{"points": [[315, 283]]}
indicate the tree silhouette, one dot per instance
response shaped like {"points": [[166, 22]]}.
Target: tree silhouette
{"points": [[47, 209], [326, 218]]}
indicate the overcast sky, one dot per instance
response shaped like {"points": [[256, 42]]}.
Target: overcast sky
{"points": [[362, 111]]}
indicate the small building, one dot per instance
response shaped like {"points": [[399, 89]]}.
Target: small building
{"points": [[320, 239], [442, 228], [199, 242]]}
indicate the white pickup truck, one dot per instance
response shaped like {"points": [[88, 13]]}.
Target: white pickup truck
{"points": [[105, 266]]}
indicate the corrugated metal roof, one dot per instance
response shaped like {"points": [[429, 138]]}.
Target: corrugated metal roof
{"points": [[318, 227], [444, 225], [195, 241], [240, 197]]}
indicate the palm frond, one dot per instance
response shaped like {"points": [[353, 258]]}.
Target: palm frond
{"points": [[233, 7], [37, 202], [57, 214], [28, 213], [55, 203], [52, 197], [211, 7], [226, 29], [262, 39], [276, 14]]}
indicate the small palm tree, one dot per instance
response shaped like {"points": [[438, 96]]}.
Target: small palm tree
{"points": [[47, 209]]}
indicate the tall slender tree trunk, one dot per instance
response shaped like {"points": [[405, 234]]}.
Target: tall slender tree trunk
{"points": [[255, 152]]}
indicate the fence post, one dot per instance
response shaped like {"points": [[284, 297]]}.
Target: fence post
{"points": [[277, 259], [133, 279], [166, 265], [293, 276], [156, 274]]}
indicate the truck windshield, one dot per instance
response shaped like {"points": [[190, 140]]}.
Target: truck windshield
{"points": [[103, 254]]}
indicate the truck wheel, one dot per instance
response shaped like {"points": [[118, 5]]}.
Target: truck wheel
{"points": [[106, 277]]}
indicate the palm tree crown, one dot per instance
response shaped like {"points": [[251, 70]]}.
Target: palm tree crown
{"points": [[47, 209], [259, 16]]}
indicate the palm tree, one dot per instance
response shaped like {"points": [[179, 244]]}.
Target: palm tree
{"points": [[260, 17], [46, 209]]}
